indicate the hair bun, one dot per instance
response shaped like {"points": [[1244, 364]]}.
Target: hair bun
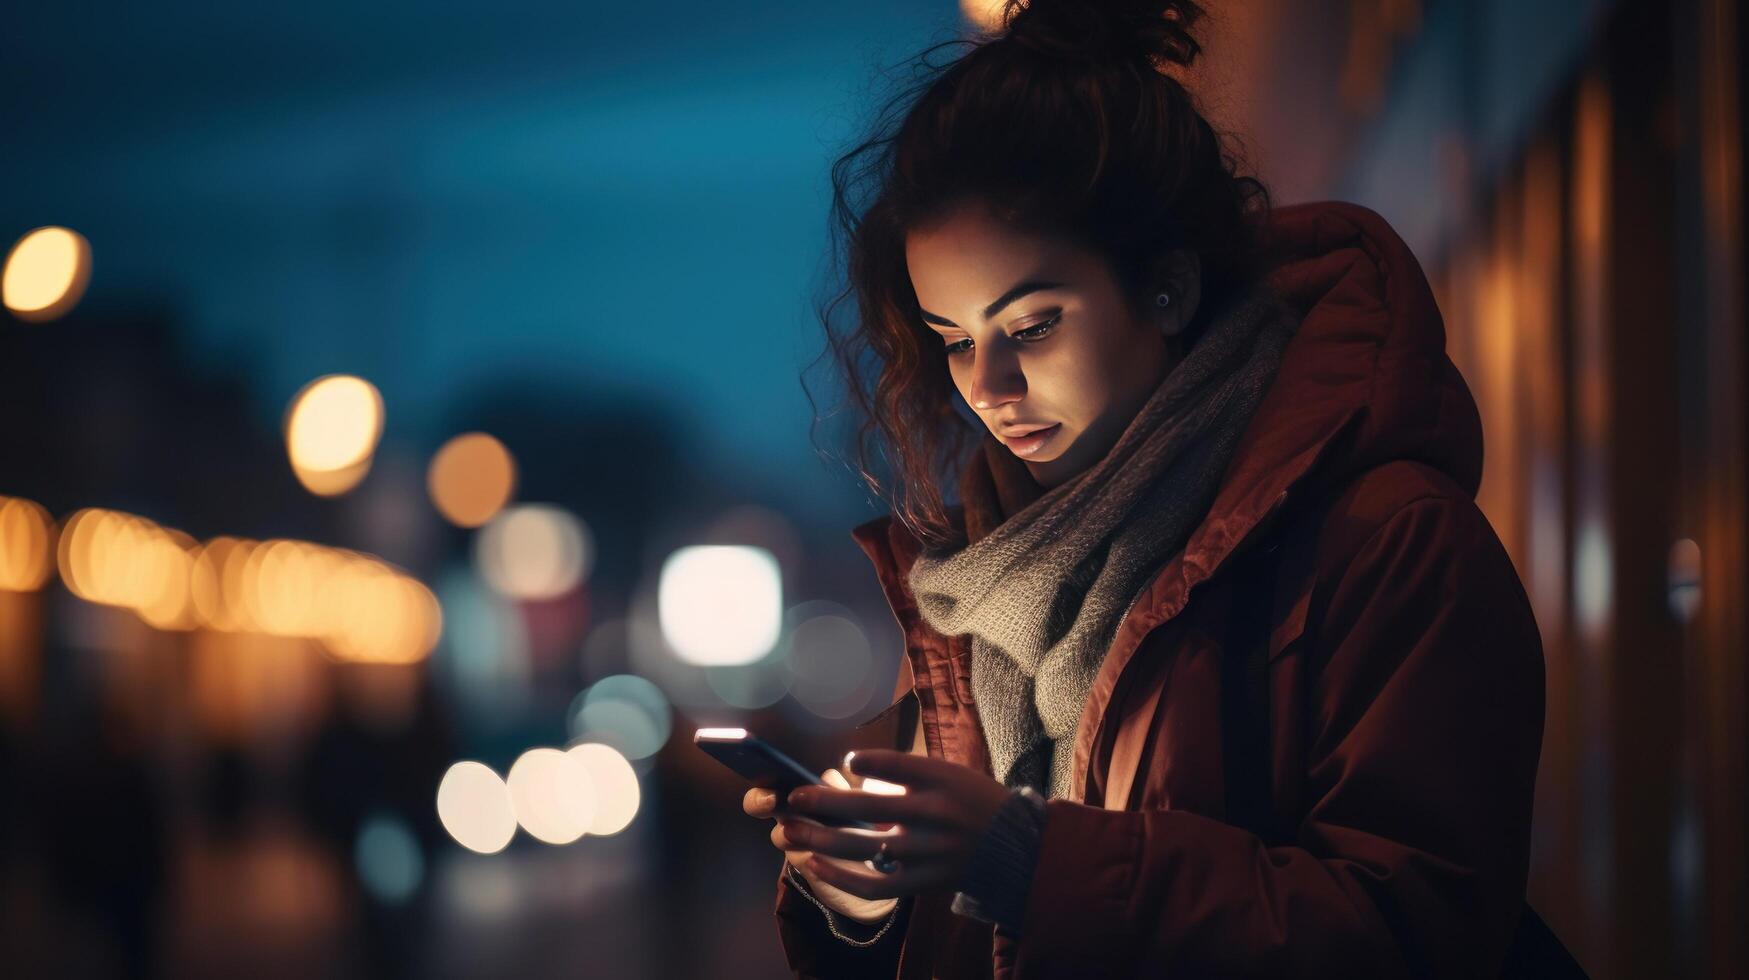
{"points": [[1099, 30]]}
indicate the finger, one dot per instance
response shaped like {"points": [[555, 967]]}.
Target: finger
{"points": [[904, 768], [907, 843], [855, 879], [780, 839], [759, 802], [837, 779], [849, 804]]}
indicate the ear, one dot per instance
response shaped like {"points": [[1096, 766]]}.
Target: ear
{"points": [[1179, 272]]}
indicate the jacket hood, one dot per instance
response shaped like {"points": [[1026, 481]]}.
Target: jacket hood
{"points": [[1371, 340], [1364, 381]]}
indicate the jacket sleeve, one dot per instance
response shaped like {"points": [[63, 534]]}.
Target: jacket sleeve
{"points": [[1423, 729]]}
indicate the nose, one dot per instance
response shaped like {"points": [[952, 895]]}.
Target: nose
{"points": [[996, 379]]}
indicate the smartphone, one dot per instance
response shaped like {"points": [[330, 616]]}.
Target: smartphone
{"points": [[765, 765]]}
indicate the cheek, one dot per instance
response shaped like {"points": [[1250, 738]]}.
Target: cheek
{"points": [[1073, 383], [1070, 383]]}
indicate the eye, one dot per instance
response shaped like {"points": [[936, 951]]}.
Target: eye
{"points": [[1040, 329], [1036, 332]]}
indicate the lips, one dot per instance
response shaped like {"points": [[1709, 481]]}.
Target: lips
{"points": [[1016, 431], [1034, 440]]}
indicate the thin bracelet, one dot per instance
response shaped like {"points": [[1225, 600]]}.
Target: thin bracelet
{"points": [[802, 886]]}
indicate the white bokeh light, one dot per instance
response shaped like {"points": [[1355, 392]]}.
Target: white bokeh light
{"points": [[474, 806], [649, 655], [720, 605], [616, 787], [1593, 578], [331, 431], [552, 795], [534, 551]]}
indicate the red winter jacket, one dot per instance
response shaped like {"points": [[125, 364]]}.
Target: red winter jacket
{"points": [[1404, 669]]}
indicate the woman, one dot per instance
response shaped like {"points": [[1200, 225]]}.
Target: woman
{"points": [[1217, 668]]}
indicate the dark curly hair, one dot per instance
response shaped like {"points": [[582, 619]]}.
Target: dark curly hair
{"points": [[1070, 121]]}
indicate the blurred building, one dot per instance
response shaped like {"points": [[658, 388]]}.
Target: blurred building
{"points": [[1571, 176]]}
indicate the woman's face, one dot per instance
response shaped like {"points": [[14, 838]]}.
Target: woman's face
{"points": [[1039, 337]]}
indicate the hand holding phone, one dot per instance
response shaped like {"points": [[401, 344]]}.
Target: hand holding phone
{"points": [[774, 772], [763, 764]]}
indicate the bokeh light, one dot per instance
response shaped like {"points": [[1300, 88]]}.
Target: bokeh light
{"points": [[471, 479], [757, 527], [625, 711], [332, 483], [759, 684], [485, 656], [829, 658], [1684, 578], [46, 274], [1593, 578], [27, 534], [623, 725], [552, 795], [388, 859], [649, 655], [118, 559], [720, 604], [358, 607], [164, 600], [616, 787], [985, 15], [534, 551], [377, 615], [331, 430], [215, 587], [474, 806]]}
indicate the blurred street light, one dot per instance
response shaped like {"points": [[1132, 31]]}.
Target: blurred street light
{"points": [[46, 274], [471, 479], [331, 430], [720, 605]]}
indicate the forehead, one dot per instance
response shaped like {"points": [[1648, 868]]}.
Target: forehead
{"points": [[969, 257]]}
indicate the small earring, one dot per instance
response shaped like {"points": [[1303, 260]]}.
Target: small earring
{"points": [[1171, 327]]}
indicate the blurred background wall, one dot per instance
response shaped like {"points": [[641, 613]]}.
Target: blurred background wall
{"points": [[408, 356]]}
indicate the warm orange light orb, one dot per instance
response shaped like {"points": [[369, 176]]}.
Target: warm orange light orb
{"points": [[471, 479], [46, 274], [26, 545], [331, 430]]}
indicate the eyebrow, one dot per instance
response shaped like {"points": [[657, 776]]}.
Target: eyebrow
{"points": [[1019, 290]]}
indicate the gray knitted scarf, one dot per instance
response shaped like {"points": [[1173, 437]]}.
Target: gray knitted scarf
{"points": [[1047, 576]]}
